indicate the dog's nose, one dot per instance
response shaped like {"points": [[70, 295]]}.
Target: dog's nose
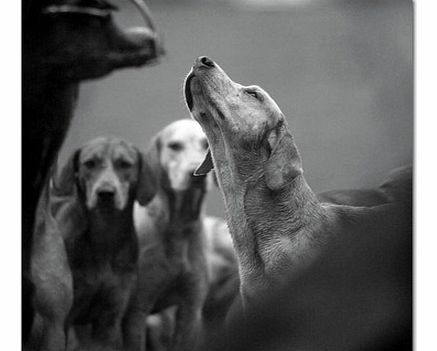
{"points": [[205, 62], [106, 194]]}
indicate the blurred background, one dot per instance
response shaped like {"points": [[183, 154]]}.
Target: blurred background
{"points": [[341, 71]]}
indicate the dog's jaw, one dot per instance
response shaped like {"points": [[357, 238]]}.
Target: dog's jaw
{"points": [[187, 90]]}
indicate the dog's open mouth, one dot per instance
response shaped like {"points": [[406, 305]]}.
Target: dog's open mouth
{"points": [[187, 90]]}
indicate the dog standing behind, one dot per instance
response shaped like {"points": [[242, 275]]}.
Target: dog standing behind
{"points": [[99, 183], [175, 249]]}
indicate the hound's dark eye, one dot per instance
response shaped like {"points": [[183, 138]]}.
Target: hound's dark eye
{"points": [[253, 93], [124, 164], [175, 146], [90, 164], [205, 144]]}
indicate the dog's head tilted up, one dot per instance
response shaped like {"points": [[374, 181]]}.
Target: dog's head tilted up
{"points": [[107, 174], [244, 126]]}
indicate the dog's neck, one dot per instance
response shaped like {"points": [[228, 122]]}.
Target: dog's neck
{"points": [[178, 222], [273, 232], [179, 209], [108, 230]]}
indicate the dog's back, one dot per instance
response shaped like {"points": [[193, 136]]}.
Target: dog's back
{"points": [[354, 197], [397, 186]]}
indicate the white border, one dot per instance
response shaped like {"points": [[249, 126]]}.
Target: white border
{"points": [[10, 173], [425, 176], [425, 212]]}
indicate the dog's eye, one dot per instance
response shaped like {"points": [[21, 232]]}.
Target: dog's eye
{"points": [[253, 94], [175, 146], [90, 164]]}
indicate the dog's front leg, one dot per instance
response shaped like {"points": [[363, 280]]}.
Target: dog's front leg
{"points": [[188, 327], [47, 335], [134, 330], [106, 336], [107, 329]]}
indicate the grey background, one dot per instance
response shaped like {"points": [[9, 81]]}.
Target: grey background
{"points": [[341, 71]]}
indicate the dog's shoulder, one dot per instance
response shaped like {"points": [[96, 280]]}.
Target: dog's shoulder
{"points": [[383, 220]]}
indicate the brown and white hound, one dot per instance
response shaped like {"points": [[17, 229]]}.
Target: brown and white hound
{"points": [[175, 247]]}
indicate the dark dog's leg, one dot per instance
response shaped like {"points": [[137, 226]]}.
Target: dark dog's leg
{"points": [[54, 337], [51, 274], [106, 335], [160, 330], [134, 324], [134, 330], [187, 328], [107, 328], [47, 334]]}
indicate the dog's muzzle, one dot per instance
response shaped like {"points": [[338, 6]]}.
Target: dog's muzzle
{"points": [[201, 63], [105, 199]]}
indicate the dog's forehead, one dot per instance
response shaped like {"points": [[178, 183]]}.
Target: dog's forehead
{"points": [[125, 151], [106, 147], [266, 98], [184, 130], [267, 114]]}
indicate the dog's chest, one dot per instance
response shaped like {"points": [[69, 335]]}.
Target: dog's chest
{"points": [[99, 284], [172, 272], [168, 263]]}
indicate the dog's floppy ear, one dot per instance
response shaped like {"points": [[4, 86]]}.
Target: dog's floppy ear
{"points": [[64, 183], [147, 182], [206, 166], [149, 173], [283, 164]]}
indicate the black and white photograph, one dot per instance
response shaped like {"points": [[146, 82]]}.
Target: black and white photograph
{"points": [[217, 175]]}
